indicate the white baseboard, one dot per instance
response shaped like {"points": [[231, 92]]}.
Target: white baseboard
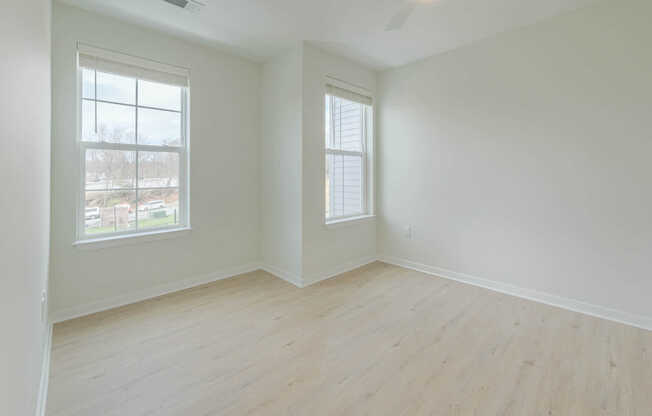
{"points": [[343, 268], [639, 321], [302, 281], [283, 274], [45, 373], [137, 296]]}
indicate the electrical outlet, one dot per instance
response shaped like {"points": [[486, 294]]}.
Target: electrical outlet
{"points": [[408, 232], [44, 301]]}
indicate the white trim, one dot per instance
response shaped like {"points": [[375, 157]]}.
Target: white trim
{"points": [[104, 53], [347, 221], [106, 60], [338, 152], [347, 86], [183, 150], [348, 95], [132, 238], [45, 373], [302, 281], [128, 147], [148, 293], [369, 165], [366, 155], [283, 275], [343, 268], [166, 288], [639, 321]]}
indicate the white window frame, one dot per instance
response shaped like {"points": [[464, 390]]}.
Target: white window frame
{"points": [[366, 155], [184, 178]]}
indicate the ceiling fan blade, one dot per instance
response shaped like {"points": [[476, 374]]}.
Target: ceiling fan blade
{"points": [[398, 20]]}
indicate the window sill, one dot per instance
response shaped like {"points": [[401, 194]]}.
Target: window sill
{"points": [[130, 239], [345, 222]]}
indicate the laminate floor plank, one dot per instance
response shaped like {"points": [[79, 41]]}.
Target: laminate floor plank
{"points": [[379, 340]]}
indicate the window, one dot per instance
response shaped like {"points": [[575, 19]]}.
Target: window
{"points": [[133, 145], [348, 142]]}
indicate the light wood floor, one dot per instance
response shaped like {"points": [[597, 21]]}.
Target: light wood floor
{"points": [[380, 340]]}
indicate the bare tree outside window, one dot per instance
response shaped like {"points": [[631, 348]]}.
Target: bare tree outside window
{"points": [[133, 152]]}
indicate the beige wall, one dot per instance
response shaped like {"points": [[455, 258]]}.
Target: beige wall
{"points": [[224, 168], [525, 158], [25, 201]]}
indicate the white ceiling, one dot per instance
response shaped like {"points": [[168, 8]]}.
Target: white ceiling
{"points": [[259, 29]]}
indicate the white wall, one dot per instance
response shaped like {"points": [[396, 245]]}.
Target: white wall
{"points": [[224, 167], [281, 165], [25, 201], [296, 244], [327, 251], [525, 158]]}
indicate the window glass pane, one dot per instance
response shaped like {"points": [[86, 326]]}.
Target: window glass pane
{"points": [[158, 208], [116, 88], [110, 169], [345, 119], [88, 83], [157, 127], [116, 123], [158, 169], [153, 94], [108, 212], [88, 121], [343, 185]]}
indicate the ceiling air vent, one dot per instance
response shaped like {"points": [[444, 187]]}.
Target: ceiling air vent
{"points": [[190, 5]]}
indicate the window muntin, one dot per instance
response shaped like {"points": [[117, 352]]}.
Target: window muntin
{"points": [[133, 151], [346, 148]]}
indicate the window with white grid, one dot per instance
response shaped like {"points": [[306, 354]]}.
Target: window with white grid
{"points": [[347, 133], [133, 145]]}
